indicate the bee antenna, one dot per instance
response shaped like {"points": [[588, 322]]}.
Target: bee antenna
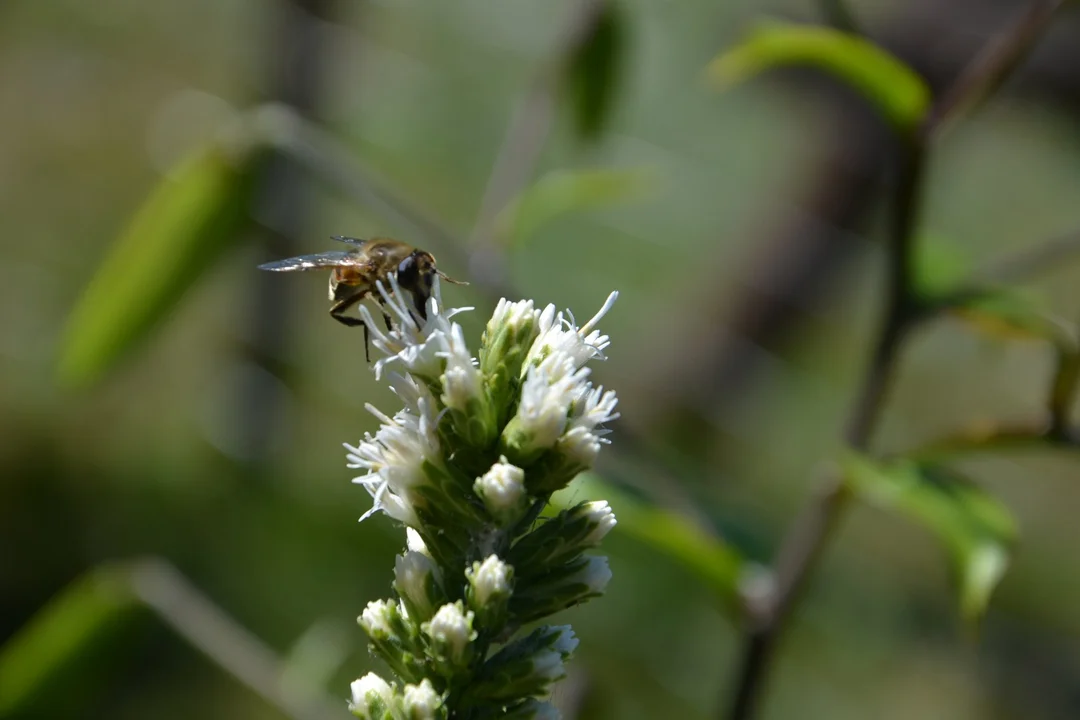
{"points": [[449, 279]]}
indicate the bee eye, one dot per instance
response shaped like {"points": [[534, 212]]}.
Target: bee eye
{"points": [[407, 272]]}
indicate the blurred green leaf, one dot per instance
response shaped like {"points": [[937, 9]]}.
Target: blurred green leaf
{"points": [[719, 566], [978, 531], [187, 223], [566, 191], [1008, 313], [897, 92], [940, 265], [316, 656], [63, 633], [593, 72]]}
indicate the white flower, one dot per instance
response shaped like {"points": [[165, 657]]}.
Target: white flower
{"points": [[489, 579], [549, 391], [579, 446], [567, 642], [451, 630], [582, 440], [601, 520], [461, 380], [547, 665], [421, 702], [594, 574], [414, 345], [512, 316], [371, 696], [558, 334], [502, 488], [394, 459], [413, 574], [415, 543], [598, 408], [378, 618], [412, 393]]}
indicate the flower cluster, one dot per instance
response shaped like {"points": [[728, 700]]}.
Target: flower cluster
{"points": [[467, 466]]}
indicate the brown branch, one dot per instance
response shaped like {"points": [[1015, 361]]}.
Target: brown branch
{"points": [[994, 63], [997, 438], [806, 539]]}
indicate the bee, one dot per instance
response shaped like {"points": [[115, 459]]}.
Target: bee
{"points": [[354, 274]]}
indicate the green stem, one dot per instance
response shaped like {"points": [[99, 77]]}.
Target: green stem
{"points": [[804, 542]]}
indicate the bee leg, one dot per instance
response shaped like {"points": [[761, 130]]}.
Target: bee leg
{"points": [[386, 317], [420, 302], [337, 311]]}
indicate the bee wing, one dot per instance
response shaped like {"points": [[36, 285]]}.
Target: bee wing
{"points": [[350, 240], [310, 262]]}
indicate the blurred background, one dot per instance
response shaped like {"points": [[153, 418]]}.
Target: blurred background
{"points": [[555, 153]]}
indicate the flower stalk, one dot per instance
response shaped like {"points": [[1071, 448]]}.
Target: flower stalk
{"points": [[467, 466]]}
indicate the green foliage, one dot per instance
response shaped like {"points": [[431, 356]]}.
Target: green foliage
{"points": [[1008, 313], [940, 266], [890, 86], [594, 70], [62, 634], [976, 529], [563, 192], [716, 564], [190, 220]]}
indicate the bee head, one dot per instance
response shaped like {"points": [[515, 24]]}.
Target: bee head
{"points": [[416, 273]]}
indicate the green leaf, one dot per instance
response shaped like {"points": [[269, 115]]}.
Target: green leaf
{"points": [[719, 566], [1010, 314], [894, 89], [593, 72], [187, 223], [940, 265], [62, 634], [565, 191], [978, 531]]}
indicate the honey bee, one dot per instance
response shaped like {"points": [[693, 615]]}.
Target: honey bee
{"points": [[354, 274]]}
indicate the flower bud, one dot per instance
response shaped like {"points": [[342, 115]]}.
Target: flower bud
{"points": [[502, 490], [549, 391], [507, 338], [450, 632], [416, 580], [559, 335], [414, 542], [421, 702], [393, 636], [488, 592], [471, 413], [372, 698], [381, 619], [598, 518]]}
